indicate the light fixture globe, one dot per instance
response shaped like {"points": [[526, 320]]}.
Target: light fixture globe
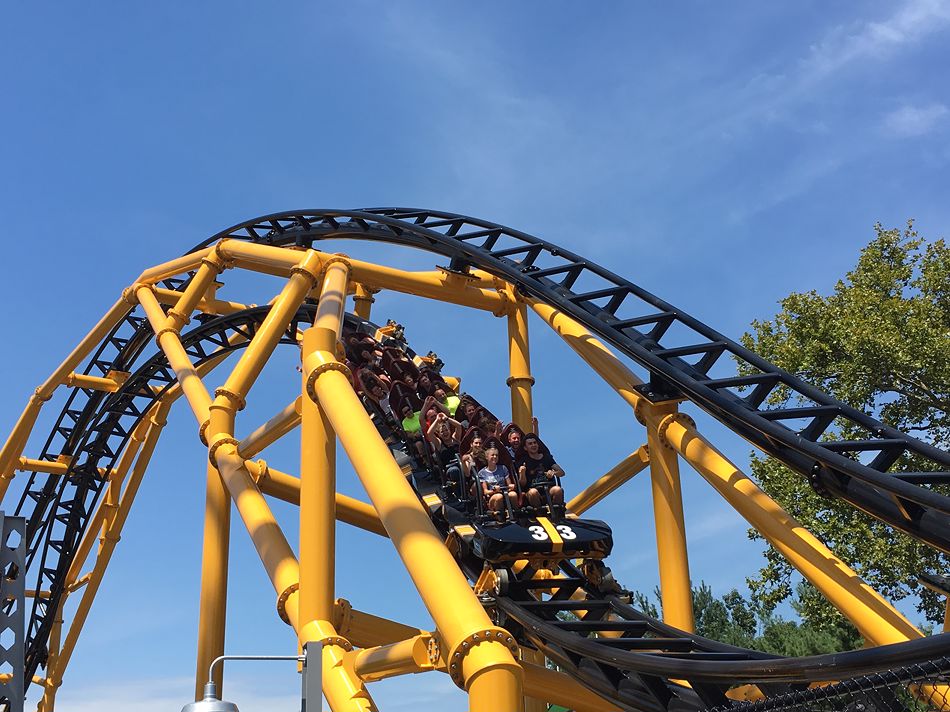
{"points": [[210, 702]]}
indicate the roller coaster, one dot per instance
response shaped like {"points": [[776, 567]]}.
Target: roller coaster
{"points": [[526, 611]]}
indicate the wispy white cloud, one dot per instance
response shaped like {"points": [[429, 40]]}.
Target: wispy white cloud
{"points": [[908, 120], [911, 22]]}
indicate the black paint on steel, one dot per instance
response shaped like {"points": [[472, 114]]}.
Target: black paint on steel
{"points": [[635, 321], [94, 427]]}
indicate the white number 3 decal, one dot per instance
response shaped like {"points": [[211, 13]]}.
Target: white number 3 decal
{"points": [[537, 532], [566, 531]]}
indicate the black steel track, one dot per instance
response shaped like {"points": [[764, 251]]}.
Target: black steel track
{"points": [[589, 628], [59, 507], [93, 427], [635, 322]]}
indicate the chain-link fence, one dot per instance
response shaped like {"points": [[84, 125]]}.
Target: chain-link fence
{"points": [[915, 688]]}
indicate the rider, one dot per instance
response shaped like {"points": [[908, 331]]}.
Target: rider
{"points": [[496, 483], [538, 469]]}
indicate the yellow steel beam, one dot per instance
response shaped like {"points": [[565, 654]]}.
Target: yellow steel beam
{"points": [[414, 655], [51, 467], [592, 350], [213, 596], [675, 590], [342, 686], [480, 655], [519, 362], [15, 443], [363, 301], [876, 619], [318, 465], [170, 297], [179, 314], [287, 488], [366, 630], [96, 383], [271, 431], [616, 476], [178, 266], [543, 683], [168, 340], [114, 522], [303, 275], [437, 284]]}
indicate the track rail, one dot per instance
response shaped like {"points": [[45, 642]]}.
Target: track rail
{"points": [[93, 427], [635, 322], [588, 627]]}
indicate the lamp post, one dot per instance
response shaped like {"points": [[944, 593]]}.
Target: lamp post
{"points": [[311, 682]]}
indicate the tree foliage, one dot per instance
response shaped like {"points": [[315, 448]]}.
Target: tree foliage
{"points": [[881, 343], [736, 620]]}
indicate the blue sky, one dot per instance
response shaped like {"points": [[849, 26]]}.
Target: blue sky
{"points": [[720, 155]]}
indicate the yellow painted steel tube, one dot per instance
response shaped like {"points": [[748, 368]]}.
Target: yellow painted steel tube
{"points": [[876, 619], [616, 476], [54, 677], [269, 541], [287, 488], [96, 383], [171, 297], [519, 363], [592, 350], [675, 590], [271, 431], [179, 313], [363, 301], [180, 265], [443, 588], [51, 687], [50, 467], [318, 466], [17, 441], [14, 445], [249, 366], [126, 459], [170, 343], [432, 285], [366, 630], [213, 596], [551, 686], [403, 658]]}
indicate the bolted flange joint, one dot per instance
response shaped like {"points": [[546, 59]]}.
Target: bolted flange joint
{"points": [[336, 259], [322, 368], [520, 379], [465, 646], [310, 266], [161, 332], [232, 396], [217, 443], [664, 425], [282, 601]]}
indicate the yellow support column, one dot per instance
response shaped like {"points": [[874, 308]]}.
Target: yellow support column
{"points": [[363, 301], [618, 474], [318, 467], [877, 620], [212, 601], [480, 656], [519, 362], [675, 591]]}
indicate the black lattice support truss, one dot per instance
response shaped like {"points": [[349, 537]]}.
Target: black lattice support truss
{"points": [[12, 589]]}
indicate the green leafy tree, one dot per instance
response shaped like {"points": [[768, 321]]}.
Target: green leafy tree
{"points": [[735, 620], [881, 343]]}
